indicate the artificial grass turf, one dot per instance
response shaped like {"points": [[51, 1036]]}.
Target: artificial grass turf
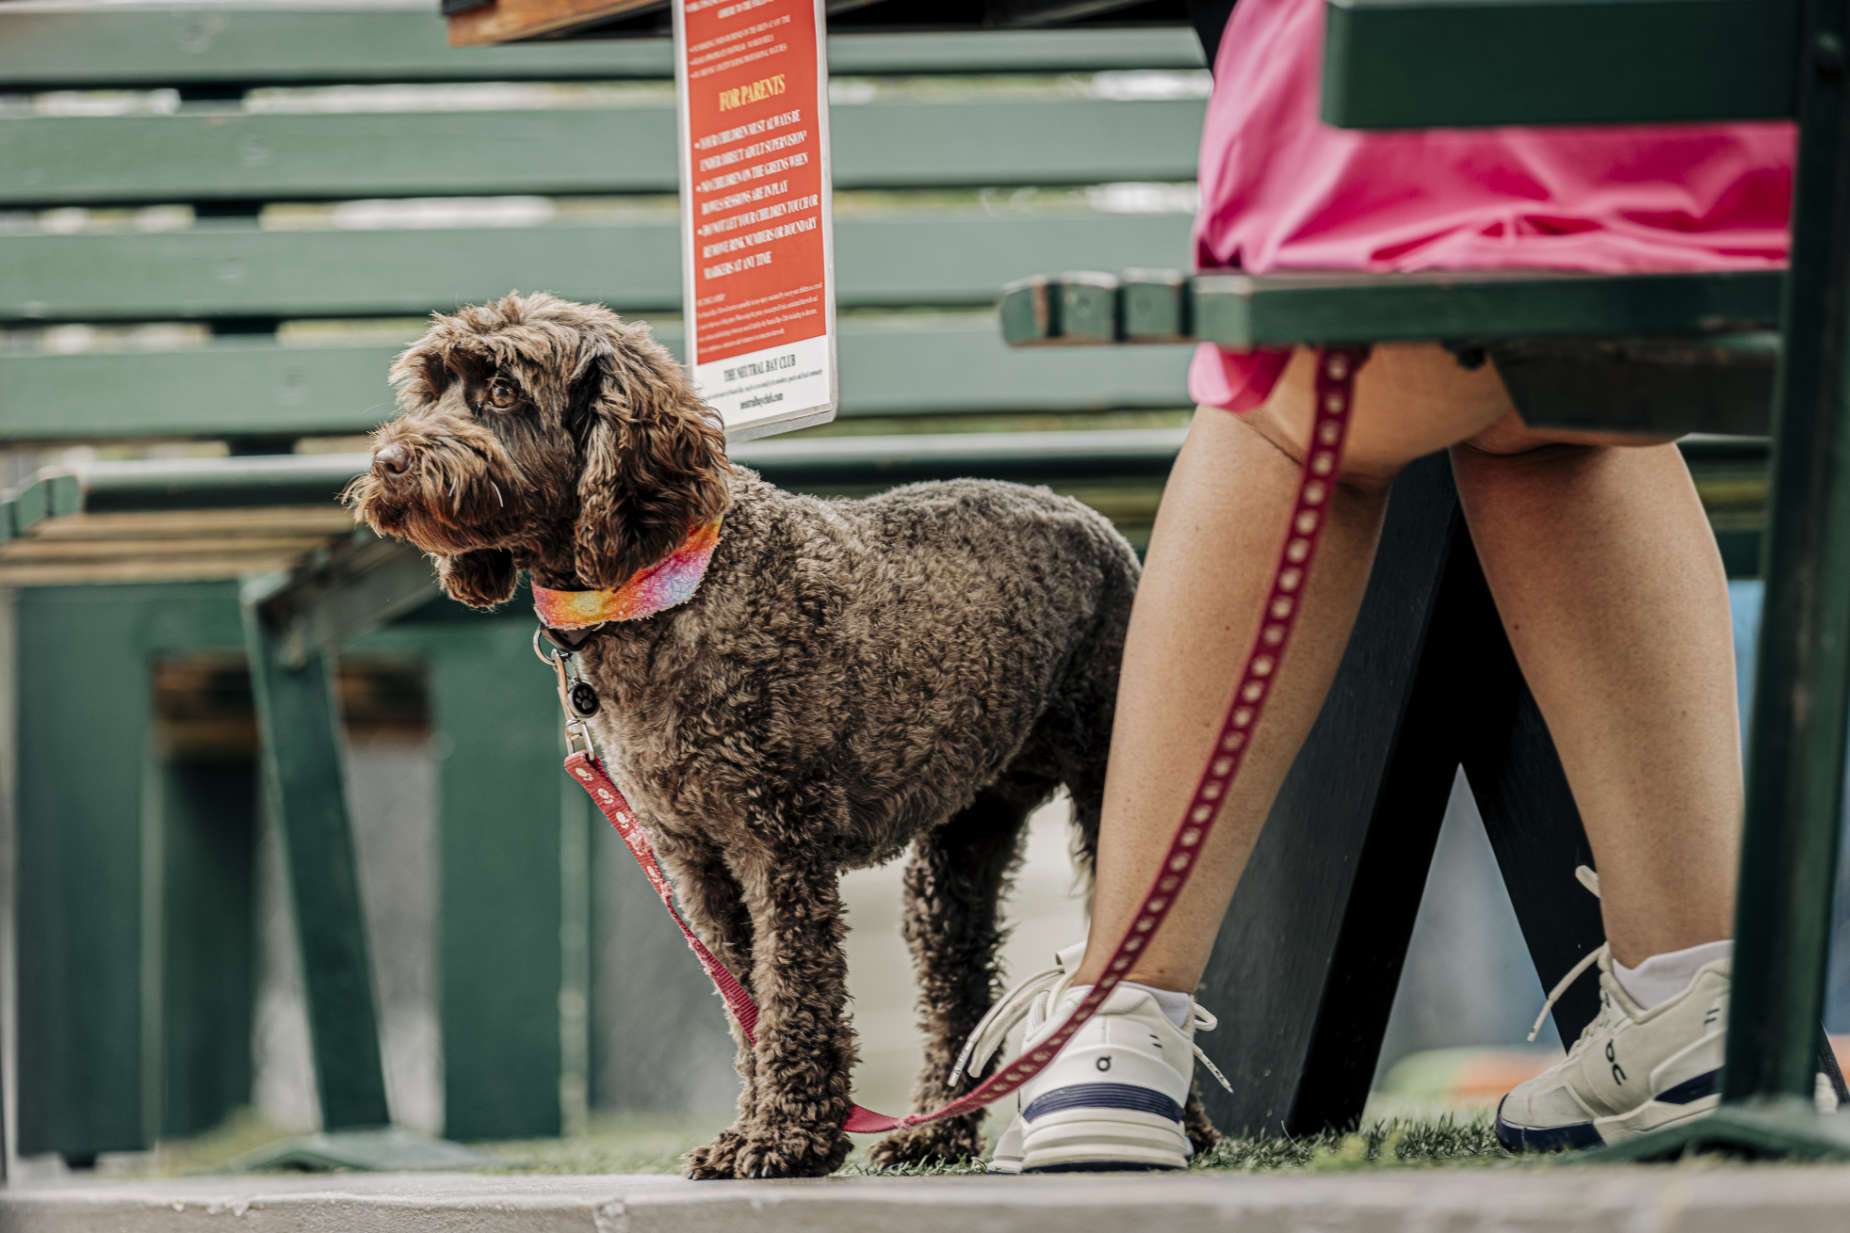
{"points": [[655, 1144]]}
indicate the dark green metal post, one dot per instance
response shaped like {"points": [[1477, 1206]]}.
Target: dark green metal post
{"points": [[1795, 775], [306, 792]]}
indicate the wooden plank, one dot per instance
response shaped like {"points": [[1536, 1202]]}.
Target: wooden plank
{"points": [[81, 993], [1245, 310], [206, 818], [229, 528], [71, 45], [239, 388], [64, 548], [125, 571], [499, 860], [211, 155], [305, 791], [151, 485], [1460, 63], [899, 260], [1240, 310]]}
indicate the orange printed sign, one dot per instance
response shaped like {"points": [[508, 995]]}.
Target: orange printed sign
{"points": [[758, 252]]}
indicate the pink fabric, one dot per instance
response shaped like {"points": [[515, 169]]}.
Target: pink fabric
{"points": [[1280, 190]]}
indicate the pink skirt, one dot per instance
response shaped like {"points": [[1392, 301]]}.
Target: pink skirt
{"points": [[1281, 190]]}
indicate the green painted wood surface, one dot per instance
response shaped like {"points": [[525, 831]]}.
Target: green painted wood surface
{"points": [[953, 257], [500, 885], [226, 155], [46, 47], [1457, 63], [1243, 310], [243, 388], [305, 789], [1795, 777], [84, 1074], [205, 822]]}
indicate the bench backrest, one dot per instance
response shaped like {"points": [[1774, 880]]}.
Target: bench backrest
{"points": [[234, 245]]}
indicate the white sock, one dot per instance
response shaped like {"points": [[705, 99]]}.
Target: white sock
{"points": [[1661, 977], [1174, 1004]]}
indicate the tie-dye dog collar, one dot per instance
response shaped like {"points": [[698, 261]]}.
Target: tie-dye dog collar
{"points": [[654, 588]]}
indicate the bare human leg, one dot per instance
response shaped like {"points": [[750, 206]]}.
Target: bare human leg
{"points": [[1615, 602], [1215, 540]]}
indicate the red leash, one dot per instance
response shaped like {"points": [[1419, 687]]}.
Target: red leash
{"points": [[1335, 391]]}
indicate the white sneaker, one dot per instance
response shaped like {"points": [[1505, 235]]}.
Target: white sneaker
{"points": [[1113, 1098], [1632, 1070]]}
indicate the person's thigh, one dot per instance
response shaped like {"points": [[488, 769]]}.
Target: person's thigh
{"points": [[1410, 400]]}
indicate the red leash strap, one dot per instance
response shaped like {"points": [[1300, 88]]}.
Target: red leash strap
{"points": [[1335, 392]]}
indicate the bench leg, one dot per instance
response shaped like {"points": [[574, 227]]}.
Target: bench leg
{"points": [[503, 897], [204, 813], [82, 678], [1322, 917], [306, 792]]}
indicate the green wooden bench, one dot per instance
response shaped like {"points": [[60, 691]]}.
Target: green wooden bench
{"points": [[246, 204], [1673, 353]]}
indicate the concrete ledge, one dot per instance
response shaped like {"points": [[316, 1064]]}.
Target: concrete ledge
{"points": [[1721, 1199]]}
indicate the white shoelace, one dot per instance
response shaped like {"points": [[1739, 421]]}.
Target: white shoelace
{"points": [[992, 1030], [1590, 880]]}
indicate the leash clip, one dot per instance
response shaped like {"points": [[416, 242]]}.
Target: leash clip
{"points": [[565, 677]]}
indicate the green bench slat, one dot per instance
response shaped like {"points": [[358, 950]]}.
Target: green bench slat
{"points": [[1462, 63], [244, 388], [46, 47], [160, 485], [235, 270], [1243, 310], [216, 156], [1240, 310]]}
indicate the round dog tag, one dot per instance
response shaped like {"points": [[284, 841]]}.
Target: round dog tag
{"points": [[584, 700]]}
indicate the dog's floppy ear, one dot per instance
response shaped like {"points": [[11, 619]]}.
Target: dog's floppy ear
{"points": [[481, 578], [653, 459]]}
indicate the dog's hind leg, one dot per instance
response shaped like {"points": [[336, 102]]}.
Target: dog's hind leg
{"points": [[954, 883]]}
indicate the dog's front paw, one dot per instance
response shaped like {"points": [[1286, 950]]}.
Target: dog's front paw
{"points": [[790, 1150], [717, 1160], [952, 1141]]}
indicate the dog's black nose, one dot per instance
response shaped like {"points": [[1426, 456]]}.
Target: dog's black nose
{"points": [[391, 457]]}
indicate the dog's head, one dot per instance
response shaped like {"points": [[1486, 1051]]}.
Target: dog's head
{"points": [[538, 433]]}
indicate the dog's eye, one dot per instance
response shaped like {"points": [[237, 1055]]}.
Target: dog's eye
{"points": [[501, 394]]}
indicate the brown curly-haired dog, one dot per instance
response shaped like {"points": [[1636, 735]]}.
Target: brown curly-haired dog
{"points": [[919, 668]]}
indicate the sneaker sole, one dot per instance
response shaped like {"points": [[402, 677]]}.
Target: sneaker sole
{"points": [[1647, 1117], [1081, 1140]]}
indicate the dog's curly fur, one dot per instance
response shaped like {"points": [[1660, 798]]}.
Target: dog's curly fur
{"points": [[853, 677]]}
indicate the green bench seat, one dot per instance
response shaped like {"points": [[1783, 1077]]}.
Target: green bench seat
{"points": [[1655, 354]]}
